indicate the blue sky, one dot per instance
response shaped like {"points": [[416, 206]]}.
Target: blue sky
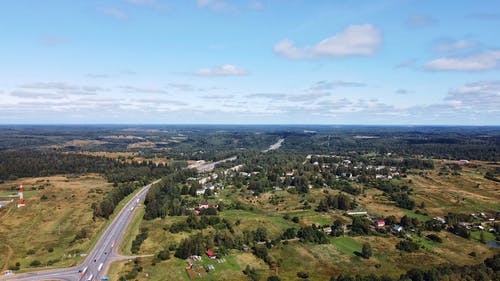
{"points": [[250, 62]]}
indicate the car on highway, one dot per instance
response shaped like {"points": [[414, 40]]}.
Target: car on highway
{"points": [[84, 270]]}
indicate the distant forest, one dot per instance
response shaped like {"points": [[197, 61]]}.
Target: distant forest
{"points": [[33, 163], [218, 141]]}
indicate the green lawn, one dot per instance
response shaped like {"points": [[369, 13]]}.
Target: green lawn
{"points": [[321, 220], [26, 193], [428, 244], [476, 235], [347, 245], [421, 217]]}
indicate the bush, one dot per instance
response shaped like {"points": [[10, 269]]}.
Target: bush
{"points": [[164, 255], [14, 267], [303, 275], [35, 263], [408, 246], [251, 273], [434, 237], [366, 251]]}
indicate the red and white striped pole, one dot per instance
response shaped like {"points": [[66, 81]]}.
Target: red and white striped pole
{"points": [[21, 196]]}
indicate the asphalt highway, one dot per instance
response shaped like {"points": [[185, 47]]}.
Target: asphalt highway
{"points": [[104, 252]]}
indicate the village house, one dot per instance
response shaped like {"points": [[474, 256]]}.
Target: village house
{"points": [[397, 228], [203, 205], [440, 220], [379, 223], [327, 230], [211, 254]]}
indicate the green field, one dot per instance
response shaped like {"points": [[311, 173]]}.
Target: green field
{"points": [[347, 245]]}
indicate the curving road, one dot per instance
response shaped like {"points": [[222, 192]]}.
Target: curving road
{"points": [[102, 255]]}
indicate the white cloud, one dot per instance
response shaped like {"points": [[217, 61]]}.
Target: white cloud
{"points": [[326, 85], [216, 5], [355, 40], [154, 101], [217, 97], [134, 89], [450, 45], [479, 96], [273, 96], [182, 87], [307, 97], [113, 12], [478, 62], [420, 21], [50, 85], [94, 89], [59, 88], [97, 75], [403, 92], [35, 95], [223, 70]]}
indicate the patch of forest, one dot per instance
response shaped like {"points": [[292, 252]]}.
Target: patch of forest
{"points": [[36, 163]]}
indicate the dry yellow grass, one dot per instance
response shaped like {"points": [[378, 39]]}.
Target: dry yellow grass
{"points": [[45, 229], [142, 144], [113, 155], [467, 192]]}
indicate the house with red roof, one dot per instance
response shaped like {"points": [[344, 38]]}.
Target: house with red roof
{"points": [[210, 254], [380, 223]]}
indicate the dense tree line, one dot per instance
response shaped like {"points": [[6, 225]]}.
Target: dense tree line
{"points": [[165, 198], [136, 244], [360, 226], [493, 174], [37, 163], [337, 201], [395, 192], [213, 142], [106, 207], [32, 163], [430, 142], [200, 222], [312, 234]]}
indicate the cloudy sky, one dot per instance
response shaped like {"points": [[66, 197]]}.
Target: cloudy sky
{"points": [[250, 62]]}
